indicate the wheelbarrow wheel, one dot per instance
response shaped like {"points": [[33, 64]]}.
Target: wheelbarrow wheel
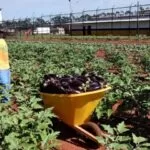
{"points": [[93, 128]]}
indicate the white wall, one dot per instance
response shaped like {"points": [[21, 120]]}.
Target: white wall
{"points": [[116, 25], [42, 30]]}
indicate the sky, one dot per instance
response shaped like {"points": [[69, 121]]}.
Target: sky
{"points": [[14, 9]]}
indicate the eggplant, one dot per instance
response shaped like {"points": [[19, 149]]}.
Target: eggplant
{"points": [[65, 84], [73, 91], [94, 86], [69, 80], [76, 83], [70, 84], [55, 89]]}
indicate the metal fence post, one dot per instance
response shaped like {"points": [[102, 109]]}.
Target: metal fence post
{"points": [[83, 27], [50, 26], [33, 27], [71, 23], [19, 28], [112, 21], [96, 21], [41, 27], [138, 19], [14, 27], [149, 23], [60, 24], [130, 21]]}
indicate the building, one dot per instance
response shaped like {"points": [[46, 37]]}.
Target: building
{"points": [[42, 30], [48, 30], [132, 24], [58, 31]]}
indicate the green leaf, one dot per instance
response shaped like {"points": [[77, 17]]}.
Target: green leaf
{"points": [[118, 146], [101, 140], [142, 148], [121, 127], [29, 146], [145, 144], [138, 140], [36, 106], [33, 137], [42, 126], [24, 122], [15, 120], [12, 140], [123, 138], [109, 112], [108, 128], [48, 137]]}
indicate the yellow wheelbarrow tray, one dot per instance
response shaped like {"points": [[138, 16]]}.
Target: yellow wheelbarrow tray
{"points": [[75, 110]]}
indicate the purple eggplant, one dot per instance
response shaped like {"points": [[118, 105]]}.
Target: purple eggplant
{"points": [[72, 84]]}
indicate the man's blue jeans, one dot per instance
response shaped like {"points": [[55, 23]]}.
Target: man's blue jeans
{"points": [[4, 85]]}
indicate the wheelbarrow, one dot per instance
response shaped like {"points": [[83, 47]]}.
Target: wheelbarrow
{"points": [[75, 110]]}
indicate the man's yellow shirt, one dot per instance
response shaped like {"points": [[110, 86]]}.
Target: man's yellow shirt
{"points": [[4, 58]]}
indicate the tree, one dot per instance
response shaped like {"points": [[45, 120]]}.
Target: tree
{"points": [[128, 13], [117, 13], [40, 22], [24, 24], [65, 20], [85, 17], [56, 20]]}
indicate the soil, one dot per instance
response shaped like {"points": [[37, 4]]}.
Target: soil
{"points": [[101, 54]]}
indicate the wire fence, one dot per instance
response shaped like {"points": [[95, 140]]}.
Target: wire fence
{"points": [[131, 20]]}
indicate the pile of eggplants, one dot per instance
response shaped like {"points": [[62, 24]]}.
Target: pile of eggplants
{"points": [[72, 84]]}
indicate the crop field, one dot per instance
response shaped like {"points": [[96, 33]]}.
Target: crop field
{"points": [[124, 112]]}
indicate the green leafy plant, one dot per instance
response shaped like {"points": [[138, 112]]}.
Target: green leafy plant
{"points": [[26, 126], [31, 61], [118, 138], [141, 143]]}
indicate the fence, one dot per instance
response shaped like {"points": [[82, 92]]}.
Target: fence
{"points": [[131, 20]]}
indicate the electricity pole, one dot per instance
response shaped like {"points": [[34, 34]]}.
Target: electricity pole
{"points": [[70, 24]]}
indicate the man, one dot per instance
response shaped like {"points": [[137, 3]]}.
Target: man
{"points": [[4, 70]]}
